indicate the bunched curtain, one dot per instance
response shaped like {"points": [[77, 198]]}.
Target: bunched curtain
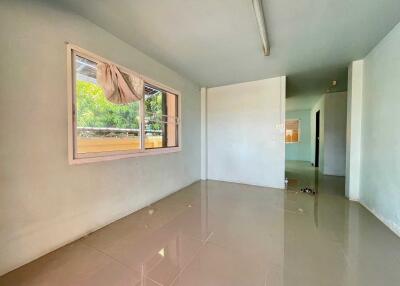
{"points": [[119, 87]]}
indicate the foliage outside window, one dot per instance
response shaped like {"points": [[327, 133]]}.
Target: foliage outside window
{"points": [[161, 113], [103, 129], [292, 131]]}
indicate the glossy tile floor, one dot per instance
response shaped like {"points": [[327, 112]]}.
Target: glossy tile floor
{"points": [[216, 234]]}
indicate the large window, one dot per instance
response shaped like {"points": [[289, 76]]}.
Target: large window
{"points": [[292, 131], [103, 130]]}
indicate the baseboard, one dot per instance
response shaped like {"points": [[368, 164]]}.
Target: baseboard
{"points": [[353, 199], [246, 183], [333, 174], [392, 226]]}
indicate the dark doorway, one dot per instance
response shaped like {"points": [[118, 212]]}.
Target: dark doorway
{"points": [[317, 139]]}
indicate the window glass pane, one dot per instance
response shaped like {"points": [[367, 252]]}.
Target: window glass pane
{"points": [[161, 118], [102, 126], [292, 131]]}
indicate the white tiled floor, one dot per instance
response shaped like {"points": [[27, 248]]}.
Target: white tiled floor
{"points": [[216, 233]]}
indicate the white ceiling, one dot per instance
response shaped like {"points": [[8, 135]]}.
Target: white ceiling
{"points": [[216, 42]]}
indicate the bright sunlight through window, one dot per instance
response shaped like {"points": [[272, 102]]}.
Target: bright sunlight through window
{"points": [[103, 129]]}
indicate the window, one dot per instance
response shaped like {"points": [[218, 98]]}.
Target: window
{"points": [[102, 130], [161, 113], [292, 131]]}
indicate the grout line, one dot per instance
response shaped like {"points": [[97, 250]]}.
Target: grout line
{"points": [[193, 258], [111, 257], [154, 281], [141, 273], [146, 276], [208, 237]]}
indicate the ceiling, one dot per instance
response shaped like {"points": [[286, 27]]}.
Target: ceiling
{"points": [[216, 42]]}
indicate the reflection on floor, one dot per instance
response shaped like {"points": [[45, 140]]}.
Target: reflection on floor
{"points": [[216, 233], [301, 174]]}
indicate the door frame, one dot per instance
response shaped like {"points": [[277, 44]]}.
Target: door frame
{"points": [[317, 137]]}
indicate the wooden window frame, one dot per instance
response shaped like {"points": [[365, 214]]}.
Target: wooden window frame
{"points": [[299, 131], [73, 156]]}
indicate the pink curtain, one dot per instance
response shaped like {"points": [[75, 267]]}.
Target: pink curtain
{"points": [[119, 87]]}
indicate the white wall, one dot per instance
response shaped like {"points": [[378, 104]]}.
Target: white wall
{"points": [[354, 117], [245, 132], [203, 133], [44, 202], [380, 157], [335, 134]]}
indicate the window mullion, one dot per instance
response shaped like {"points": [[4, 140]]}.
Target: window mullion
{"points": [[142, 124]]}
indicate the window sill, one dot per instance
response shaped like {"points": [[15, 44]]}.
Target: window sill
{"points": [[117, 156]]}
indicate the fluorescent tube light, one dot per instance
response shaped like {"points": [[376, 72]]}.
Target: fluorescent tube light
{"points": [[258, 10]]}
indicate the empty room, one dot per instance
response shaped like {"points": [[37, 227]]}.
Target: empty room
{"points": [[199, 143]]}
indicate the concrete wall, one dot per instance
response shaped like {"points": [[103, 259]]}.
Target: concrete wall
{"points": [[302, 150], [245, 132], [380, 157], [335, 134], [44, 202]]}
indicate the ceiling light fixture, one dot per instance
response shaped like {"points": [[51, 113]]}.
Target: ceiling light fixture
{"points": [[258, 10]]}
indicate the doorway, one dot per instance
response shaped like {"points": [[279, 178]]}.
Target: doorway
{"points": [[317, 121]]}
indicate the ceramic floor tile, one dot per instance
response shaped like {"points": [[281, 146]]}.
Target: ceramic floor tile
{"points": [[173, 259], [218, 266], [159, 254], [74, 264], [194, 222]]}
